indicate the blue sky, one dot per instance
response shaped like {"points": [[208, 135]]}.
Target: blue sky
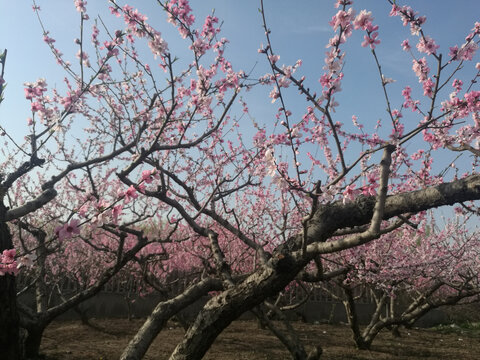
{"points": [[299, 31]]}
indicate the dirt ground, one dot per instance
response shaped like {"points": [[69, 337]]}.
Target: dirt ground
{"points": [[243, 340]]}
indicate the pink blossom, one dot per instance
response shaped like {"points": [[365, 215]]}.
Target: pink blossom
{"points": [[349, 193], [36, 106], [342, 19], [131, 193], [84, 57], [457, 84], [371, 40], [157, 45], [274, 94], [147, 176], [370, 190], [428, 87], [421, 69], [363, 20], [208, 28], [274, 58], [80, 5], [8, 265], [200, 46], [141, 187], [409, 103], [110, 46], [396, 114], [116, 212], [427, 45], [68, 230], [466, 52], [394, 10], [48, 39], [9, 255], [406, 45]]}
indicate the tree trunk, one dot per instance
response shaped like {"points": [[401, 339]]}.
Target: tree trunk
{"points": [[9, 319], [395, 329], [222, 309], [289, 338], [33, 341], [139, 345], [352, 319]]}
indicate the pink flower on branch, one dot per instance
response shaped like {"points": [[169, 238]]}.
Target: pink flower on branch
{"points": [[274, 58], [342, 19], [8, 265], [363, 20], [48, 39], [428, 87], [117, 212], [68, 230], [131, 193], [158, 46], [421, 69], [80, 5], [349, 193], [406, 45], [36, 106], [427, 45], [466, 52]]}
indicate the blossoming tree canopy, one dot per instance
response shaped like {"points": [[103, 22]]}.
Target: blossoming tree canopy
{"points": [[151, 144]]}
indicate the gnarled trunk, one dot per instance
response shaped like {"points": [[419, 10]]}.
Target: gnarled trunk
{"points": [[222, 309], [139, 345]]}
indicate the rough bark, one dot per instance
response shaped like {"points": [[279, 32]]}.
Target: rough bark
{"points": [[287, 260], [139, 345], [222, 309]]}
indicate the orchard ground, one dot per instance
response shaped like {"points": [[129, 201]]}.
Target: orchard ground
{"points": [[243, 340]]}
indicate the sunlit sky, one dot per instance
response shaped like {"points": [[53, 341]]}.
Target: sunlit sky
{"points": [[300, 30]]}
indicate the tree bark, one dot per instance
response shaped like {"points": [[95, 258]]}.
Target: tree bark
{"points": [[352, 318], [33, 341], [289, 338], [9, 319], [139, 345], [222, 309]]}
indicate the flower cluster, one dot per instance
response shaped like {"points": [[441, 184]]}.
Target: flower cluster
{"points": [[180, 14], [8, 265]]}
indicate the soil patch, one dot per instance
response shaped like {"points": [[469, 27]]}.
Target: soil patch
{"points": [[243, 340]]}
